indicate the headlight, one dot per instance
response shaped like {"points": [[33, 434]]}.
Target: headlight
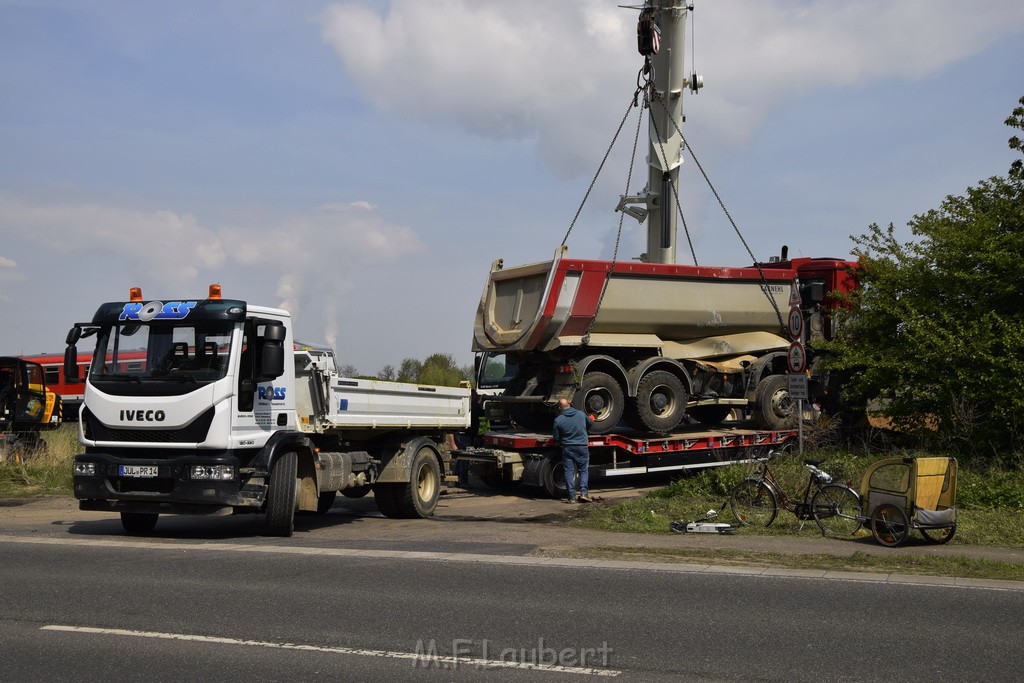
{"points": [[85, 469], [215, 472]]}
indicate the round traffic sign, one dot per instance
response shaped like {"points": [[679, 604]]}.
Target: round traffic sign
{"points": [[795, 324], [796, 358]]}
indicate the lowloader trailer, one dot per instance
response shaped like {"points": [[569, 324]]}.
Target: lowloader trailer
{"points": [[507, 459]]}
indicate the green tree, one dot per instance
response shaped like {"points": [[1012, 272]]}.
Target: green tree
{"points": [[409, 370], [936, 331], [442, 370]]}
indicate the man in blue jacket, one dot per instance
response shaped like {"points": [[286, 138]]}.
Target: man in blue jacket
{"points": [[570, 431]]}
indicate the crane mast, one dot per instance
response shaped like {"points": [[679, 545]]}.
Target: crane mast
{"points": [[663, 46]]}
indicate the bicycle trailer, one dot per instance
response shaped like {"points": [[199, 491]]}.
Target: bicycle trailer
{"points": [[900, 494]]}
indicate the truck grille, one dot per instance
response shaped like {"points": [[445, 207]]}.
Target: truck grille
{"points": [[195, 432]]}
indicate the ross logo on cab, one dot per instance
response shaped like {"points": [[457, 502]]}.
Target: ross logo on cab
{"points": [[271, 393], [157, 310]]}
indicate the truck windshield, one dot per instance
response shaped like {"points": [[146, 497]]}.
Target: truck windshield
{"points": [[162, 352], [496, 371]]}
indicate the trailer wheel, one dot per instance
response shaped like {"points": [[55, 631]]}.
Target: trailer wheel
{"points": [[601, 396], [281, 498], [552, 476], [139, 522], [710, 416], [660, 401], [773, 407], [418, 497]]}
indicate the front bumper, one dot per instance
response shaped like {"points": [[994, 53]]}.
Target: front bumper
{"points": [[171, 491]]}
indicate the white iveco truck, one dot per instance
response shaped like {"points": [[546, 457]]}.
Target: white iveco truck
{"points": [[206, 406]]}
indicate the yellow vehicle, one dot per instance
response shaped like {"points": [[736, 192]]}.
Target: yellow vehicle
{"points": [[27, 407], [900, 494]]}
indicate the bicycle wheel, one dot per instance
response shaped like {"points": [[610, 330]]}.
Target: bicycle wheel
{"points": [[889, 525], [753, 503], [836, 509], [938, 535]]}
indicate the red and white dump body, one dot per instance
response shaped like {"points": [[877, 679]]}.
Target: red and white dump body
{"points": [[650, 343]]}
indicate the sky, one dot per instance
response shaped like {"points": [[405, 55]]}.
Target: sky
{"points": [[362, 163]]}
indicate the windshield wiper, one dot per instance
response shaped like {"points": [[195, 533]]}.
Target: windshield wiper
{"points": [[178, 378], [117, 377]]}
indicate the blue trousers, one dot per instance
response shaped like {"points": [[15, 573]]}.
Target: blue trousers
{"points": [[576, 460]]}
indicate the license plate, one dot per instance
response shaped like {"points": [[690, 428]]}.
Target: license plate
{"points": [[138, 470]]}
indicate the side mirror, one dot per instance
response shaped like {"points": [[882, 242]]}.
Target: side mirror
{"points": [[817, 291], [71, 363], [272, 352]]}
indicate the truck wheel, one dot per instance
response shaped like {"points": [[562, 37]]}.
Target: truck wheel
{"points": [[139, 522], [710, 416], [384, 495], [281, 498], [325, 501], [356, 491], [601, 396], [552, 476], [773, 407], [418, 498], [660, 401]]}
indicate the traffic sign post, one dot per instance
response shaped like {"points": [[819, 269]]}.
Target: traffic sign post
{"points": [[795, 324], [799, 392], [796, 358]]}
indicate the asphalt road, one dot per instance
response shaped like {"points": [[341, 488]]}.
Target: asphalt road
{"points": [[356, 597]]}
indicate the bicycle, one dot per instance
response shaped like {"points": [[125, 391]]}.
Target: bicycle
{"points": [[835, 508]]}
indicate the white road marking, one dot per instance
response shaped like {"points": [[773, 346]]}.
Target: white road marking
{"points": [[423, 659]]}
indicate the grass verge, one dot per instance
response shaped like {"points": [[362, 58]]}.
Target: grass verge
{"points": [[857, 561], [46, 473]]}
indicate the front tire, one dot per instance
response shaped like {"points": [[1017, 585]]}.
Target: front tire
{"points": [[139, 522], [601, 396], [281, 498], [753, 503], [836, 510]]}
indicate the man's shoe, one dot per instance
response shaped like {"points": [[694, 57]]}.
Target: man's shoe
{"points": [[569, 501], [585, 499]]}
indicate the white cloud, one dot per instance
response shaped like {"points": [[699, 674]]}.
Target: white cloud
{"points": [[554, 70], [310, 257], [167, 246]]}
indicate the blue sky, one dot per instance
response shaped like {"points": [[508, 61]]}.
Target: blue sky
{"points": [[363, 163]]}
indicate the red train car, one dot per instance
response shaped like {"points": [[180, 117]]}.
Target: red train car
{"points": [[72, 392]]}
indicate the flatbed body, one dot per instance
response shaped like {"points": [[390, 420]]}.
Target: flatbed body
{"points": [[534, 459]]}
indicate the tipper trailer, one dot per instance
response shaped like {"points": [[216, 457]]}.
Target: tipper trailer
{"points": [[222, 411]]}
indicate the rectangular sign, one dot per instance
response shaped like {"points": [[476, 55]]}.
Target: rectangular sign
{"points": [[147, 471], [798, 387]]}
